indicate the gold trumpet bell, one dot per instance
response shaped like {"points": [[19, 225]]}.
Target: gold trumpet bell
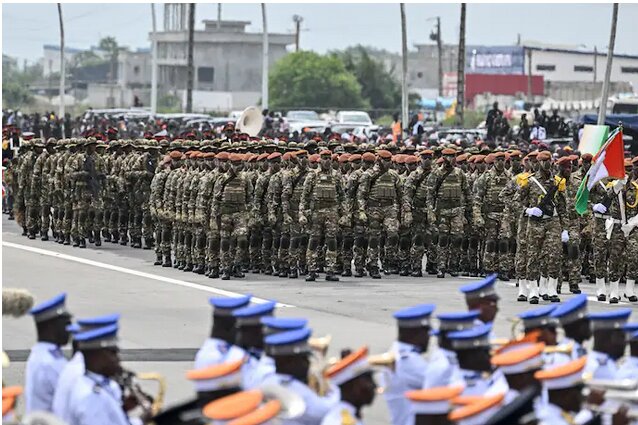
{"points": [[383, 360], [320, 344]]}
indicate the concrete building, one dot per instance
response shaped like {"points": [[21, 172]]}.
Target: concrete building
{"points": [[50, 60], [226, 57]]}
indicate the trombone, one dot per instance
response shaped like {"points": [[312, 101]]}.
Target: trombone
{"points": [[130, 383]]}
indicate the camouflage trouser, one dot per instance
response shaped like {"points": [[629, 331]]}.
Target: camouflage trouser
{"points": [[422, 239], [381, 219], [450, 225], [233, 227], [255, 246], [187, 243], [178, 240], [45, 211], [472, 250], [405, 243], [135, 222], [631, 253], [199, 245], [276, 245], [111, 218], [360, 251], [33, 217], [212, 243], [266, 246], [323, 223], [617, 254], [68, 217], [600, 246], [19, 208], [496, 246], [573, 257], [543, 247], [123, 216], [166, 238], [298, 240], [347, 243], [520, 259]]}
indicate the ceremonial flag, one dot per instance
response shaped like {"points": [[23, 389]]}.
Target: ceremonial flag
{"points": [[592, 138], [608, 162]]}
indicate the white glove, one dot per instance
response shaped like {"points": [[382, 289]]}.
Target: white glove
{"points": [[599, 208], [564, 236], [534, 212]]}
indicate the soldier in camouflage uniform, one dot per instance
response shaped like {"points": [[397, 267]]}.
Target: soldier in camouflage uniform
{"points": [[354, 163], [20, 181], [141, 175], [32, 189], [321, 209], [631, 234], [415, 215], [211, 222], [586, 226], [158, 185], [546, 218], [405, 236], [275, 216], [231, 203], [167, 210], [488, 209], [260, 212], [448, 198], [111, 201], [255, 223], [183, 212], [197, 213], [293, 184], [122, 166], [42, 175], [378, 201], [475, 244]]}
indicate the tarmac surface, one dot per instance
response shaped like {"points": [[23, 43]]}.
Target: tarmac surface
{"points": [[166, 316]]}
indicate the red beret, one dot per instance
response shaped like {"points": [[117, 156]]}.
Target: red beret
{"points": [[462, 158], [544, 156], [384, 154], [236, 157], [314, 157], [344, 157], [368, 157], [325, 152], [262, 157], [222, 156], [355, 157], [274, 155], [564, 160], [302, 152], [448, 151], [399, 159], [426, 152], [286, 156], [587, 157], [411, 159], [176, 154]]}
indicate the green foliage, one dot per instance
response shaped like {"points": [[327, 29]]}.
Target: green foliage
{"points": [[169, 104], [16, 82], [85, 58], [471, 119], [307, 79], [381, 89]]}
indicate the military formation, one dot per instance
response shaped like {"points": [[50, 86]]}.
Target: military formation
{"points": [[257, 368], [226, 207]]}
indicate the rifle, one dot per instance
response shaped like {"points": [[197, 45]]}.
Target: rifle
{"points": [[547, 203]]}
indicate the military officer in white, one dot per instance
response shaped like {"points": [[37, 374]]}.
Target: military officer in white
{"points": [[410, 365], [353, 376], [609, 343], [472, 349], [249, 338], [540, 320], [75, 367], [629, 365], [219, 344], [291, 353], [443, 366], [573, 318], [93, 400], [46, 360]]}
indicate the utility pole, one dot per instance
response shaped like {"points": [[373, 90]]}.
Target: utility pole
{"points": [[219, 16], [190, 70], [595, 62], [62, 69], [404, 70], [297, 20], [264, 66], [602, 111], [529, 74], [153, 63], [436, 36], [460, 72]]}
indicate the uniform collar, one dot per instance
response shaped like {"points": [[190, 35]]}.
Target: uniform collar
{"points": [[404, 347]]}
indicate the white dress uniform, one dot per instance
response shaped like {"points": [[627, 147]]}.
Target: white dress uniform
{"points": [[213, 351], [550, 414], [44, 366], [255, 371], [408, 374], [601, 366], [93, 402], [342, 413], [628, 369], [481, 383], [442, 370], [316, 406]]}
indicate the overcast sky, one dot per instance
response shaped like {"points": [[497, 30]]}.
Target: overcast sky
{"points": [[26, 27]]}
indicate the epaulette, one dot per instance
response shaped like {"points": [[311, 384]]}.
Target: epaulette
{"points": [[522, 179], [346, 418], [561, 182]]}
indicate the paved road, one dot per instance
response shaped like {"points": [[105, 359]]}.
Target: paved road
{"points": [[165, 315]]}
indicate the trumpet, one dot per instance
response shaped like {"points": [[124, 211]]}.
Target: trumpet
{"points": [[129, 381], [563, 349], [387, 360], [320, 344]]}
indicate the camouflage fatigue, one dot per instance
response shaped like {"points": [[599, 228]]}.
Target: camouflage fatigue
{"points": [[379, 197], [140, 177], [414, 205], [543, 233], [70, 231], [631, 210], [358, 229], [573, 265], [199, 237], [156, 204], [293, 184], [231, 201], [488, 219], [31, 194], [169, 196], [112, 192], [19, 187], [260, 216], [600, 243], [275, 222], [183, 210], [321, 202], [402, 260], [447, 200], [40, 190]]}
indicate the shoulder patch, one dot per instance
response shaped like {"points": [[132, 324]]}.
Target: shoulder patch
{"points": [[522, 179], [346, 418]]}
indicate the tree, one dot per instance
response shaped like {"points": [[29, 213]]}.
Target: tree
{"points": [[378, 85], [310, 80], [16, 82], [112, 49]]}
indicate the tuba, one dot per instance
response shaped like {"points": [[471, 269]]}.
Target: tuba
{"points": [[130, 384], [319, 363], [250, 121]]}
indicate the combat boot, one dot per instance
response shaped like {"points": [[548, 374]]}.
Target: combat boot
{"points": [[454, 273], [198, 269], [601, 289], [76, 242], [98, 241], [107, 236], [417, 273], [552, 289], [32, 234], [188, 267], [115, 237], [312, 276], [629, 291], [91, 240], [430, 268], [167, 261], [440, 274], [149, 243], [238, 273], [523, 290], [67, 240], [226, 274], [347, 272], [24, 231], [181, 265], [158, 259], [293, 274], [330, 277], [214, 273], [44, 236], [404, 271], [533, 292], [374, 274], [574, 288], [136, 242], [614, 296], [283, 273], [268, 271], [82, 243], [359, 273]]}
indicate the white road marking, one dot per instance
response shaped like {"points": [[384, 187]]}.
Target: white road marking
{"points": [[164, 279]]}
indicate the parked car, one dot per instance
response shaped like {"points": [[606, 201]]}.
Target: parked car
{"points": [[304, 120]]}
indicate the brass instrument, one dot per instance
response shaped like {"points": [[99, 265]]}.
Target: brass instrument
{"points": [[562, 348], [292, 404], [129, 381], [319, 363], [250, 121], [387, 360]]}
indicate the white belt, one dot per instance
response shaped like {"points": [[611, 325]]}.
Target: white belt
{"points": [[603, 216]]}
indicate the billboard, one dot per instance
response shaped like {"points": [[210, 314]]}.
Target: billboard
{"points": [[495, 60]]}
